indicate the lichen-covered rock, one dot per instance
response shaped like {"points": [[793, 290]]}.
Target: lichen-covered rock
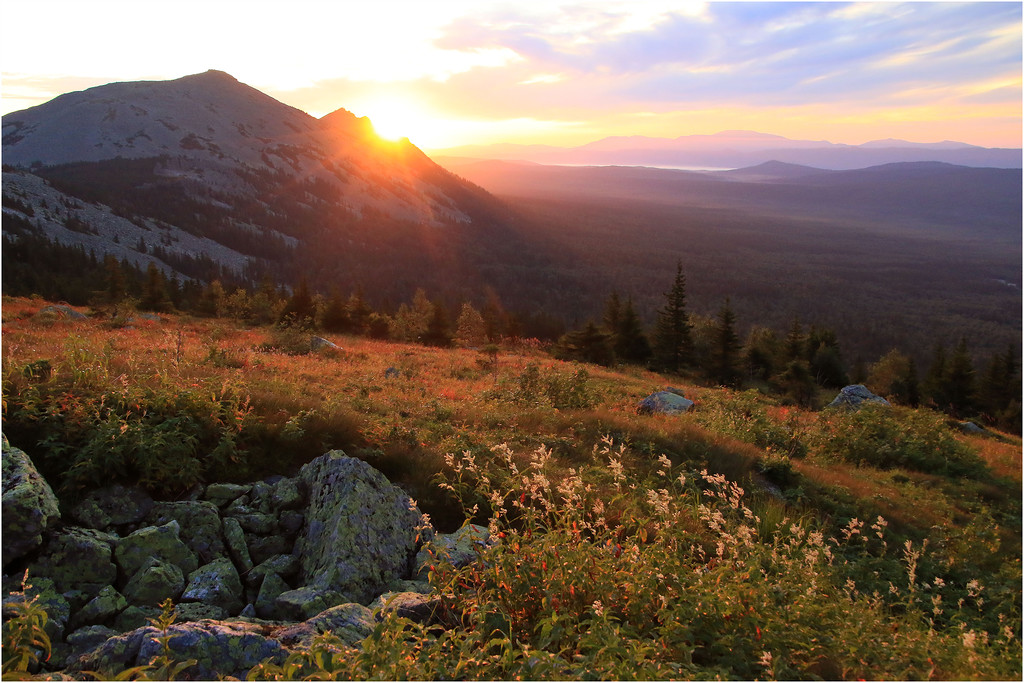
{"points": [[262, 548], [154, 582], [664, 403], [258, 523], [416, 607], [854, 396], [29, 506], [44, 591], [302, 603], [112, 506], [77, 558], [197, 611], [350, 622], [290, 522], [217, 584], [234, 538], [361, 531], [266, 601], [222, 494], [135, 616], [200, 526], [221, 648], [107, 604], [459, 548], [87, 638], [160, 542], [285, 566], [286, 495]]}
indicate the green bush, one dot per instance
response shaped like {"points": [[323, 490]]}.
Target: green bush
{"points": [[744, 416], [889, 437]]}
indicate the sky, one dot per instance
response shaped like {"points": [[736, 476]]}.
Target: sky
{"points": [[453, 72]]}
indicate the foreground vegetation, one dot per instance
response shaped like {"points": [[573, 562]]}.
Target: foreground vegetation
{"points": [[746, 539]]}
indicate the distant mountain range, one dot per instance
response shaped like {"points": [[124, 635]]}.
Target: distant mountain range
{"points": [[741, 149]]}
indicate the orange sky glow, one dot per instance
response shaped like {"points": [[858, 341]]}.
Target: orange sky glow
{"points": [[452, 72]]}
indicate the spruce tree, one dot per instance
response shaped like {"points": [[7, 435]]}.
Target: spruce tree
{"points": [[727, 347], [299, 310], [335, 317], [438, 332], [154, 292], [959, 380], [673, 344], [629, 342]]}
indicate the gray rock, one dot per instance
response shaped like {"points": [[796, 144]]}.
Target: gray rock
{"points": [[302, 603], [29, 506], [87, 638], [266, 601], [216, 584], [853, 396], [112, 506], [971, 428], [290, 522], [286, 495], [459, 548], [220, 648], [351, 622], [107, 604], [200, 526], [44, 591], [418, 607], [262, 548], [197, 611], [77, 559], [154, 582], [669, 402], [234, 537], [285, 566], [257, 523], [222, 494], [134, 617], [59, 311], [361, 531], [319, 344], [159, 542]]}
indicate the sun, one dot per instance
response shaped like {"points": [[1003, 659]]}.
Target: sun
{"points": [[397, 117]]}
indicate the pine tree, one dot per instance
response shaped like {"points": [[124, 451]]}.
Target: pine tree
{"points": [[359, 312], [154, 293], [760, 352], [300, 310], [592, 344], [629, 342], [211, 301], [470, 328], [935, 380], [116, 288], [612, 314], [727, 347], [673, 345], [795, 344], [335, 317], [438, 333], [959, 380]]}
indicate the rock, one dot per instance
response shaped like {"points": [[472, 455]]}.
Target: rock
{"points": [[266, 601], [302, 603], [112, 506], [221, 648], [286, 495], [154, 582], [87, 638], [46, 596], [248, 612], [285, 566], [29, 506], [459, 548], [107, 604], [222, 494], [669, 402], [216, 584], [234, 538], [200, 526], [257, 523], [350, 622], [59, 311], [392, 373], [134, 617], [319, 344], [361, 531], [78, 558], [418, 607], [970, 428], [159, 542], [854, 395], [290, 522], [197, 611], [262, 548]]}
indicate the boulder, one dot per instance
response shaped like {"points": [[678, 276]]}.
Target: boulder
{"points": [[319, 344], [216, 584], [286, 495], [971, 428], [220, 648], [112, 506], [285, 566], [418, 607], [154, 542], [78, 559], [854, 396], [222, 494], [262, 548], [44, 591], [86, 639], [107, 604], [234, 538], [302, 603], [200, 526], [134, 617], [361, 531], [29, 505], [669, 402], [266, 601], [59, 311], [459, 548], [197, 611], [350, 622], [154, 582]]}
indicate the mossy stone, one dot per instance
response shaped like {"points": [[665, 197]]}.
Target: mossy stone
{"points": [[160, 542], [154, 582]]}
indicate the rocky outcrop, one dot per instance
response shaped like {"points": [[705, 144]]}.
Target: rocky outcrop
{"points": [[29, 505], [668, 402], [361, 531], [854, 396], [112, 508]]}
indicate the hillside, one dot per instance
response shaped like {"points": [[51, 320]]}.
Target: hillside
{"points": [[740, 539]]}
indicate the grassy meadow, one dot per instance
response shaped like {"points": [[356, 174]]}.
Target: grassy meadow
{"points": [[745, 539]]}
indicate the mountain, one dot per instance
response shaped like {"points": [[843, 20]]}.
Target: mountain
{"points": [[210, 178], [742, 149]]}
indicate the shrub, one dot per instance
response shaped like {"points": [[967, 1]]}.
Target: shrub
{"points": [[888, 437], [744, 415]]}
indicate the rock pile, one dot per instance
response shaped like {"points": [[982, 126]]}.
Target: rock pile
{"points": [[253, 568]]}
